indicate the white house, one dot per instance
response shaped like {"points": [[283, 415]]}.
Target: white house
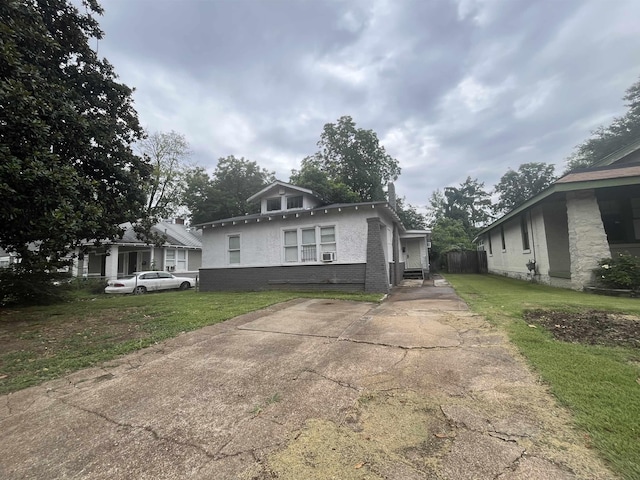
{"points": [[558, 236], [296, 242], [180, 253]]}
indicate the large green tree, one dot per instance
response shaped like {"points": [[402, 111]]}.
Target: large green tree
{"points": [[605, 140], [67, 171], [349, 157], [224, 195], [516, 187]]}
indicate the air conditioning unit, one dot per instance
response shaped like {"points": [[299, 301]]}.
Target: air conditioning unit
{"points": [[328, 256]]}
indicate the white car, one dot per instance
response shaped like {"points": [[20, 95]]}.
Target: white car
{"points": [[143, 282]]}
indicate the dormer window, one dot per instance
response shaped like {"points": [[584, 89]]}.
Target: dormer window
{"points": [[294, 202], [273, 204]]}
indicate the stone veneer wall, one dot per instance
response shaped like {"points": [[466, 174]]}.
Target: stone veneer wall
{"points": [[587, 238]]}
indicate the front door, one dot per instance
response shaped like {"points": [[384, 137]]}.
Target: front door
{"points": [[413, 260], [133, 263]]}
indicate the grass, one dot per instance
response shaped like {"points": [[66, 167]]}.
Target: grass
{"points": [[43, 343], [601, 385]]}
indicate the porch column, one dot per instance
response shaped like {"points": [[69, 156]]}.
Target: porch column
{"points": [[587, 238], [376, 277], [111, 263]]}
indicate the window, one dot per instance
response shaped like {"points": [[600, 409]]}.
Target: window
{"points": [[309, 245], [524, 229], [294, 202], [234, 249], [490, 246], [504, 245], [175, 259], [303, 245], [635, 213], [291, 246], [327, 239], [274, 204]]}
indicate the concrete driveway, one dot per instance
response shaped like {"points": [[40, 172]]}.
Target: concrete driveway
{"points": [[415, 388]]}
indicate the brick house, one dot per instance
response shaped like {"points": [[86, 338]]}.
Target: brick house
{"points": [[296, 242], [559, 235]]}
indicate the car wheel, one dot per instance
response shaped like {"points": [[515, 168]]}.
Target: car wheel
{"points": [[140, 290], [185, 285]]}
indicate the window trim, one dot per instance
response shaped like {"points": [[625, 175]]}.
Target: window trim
{"points": [[233, 250], [273, 199], [299, 245], [524, 233], [301, 197]]}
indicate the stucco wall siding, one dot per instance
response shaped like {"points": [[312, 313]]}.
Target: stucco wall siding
{"points": [[261, 244]]}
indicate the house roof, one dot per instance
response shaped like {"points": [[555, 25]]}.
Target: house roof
{"points": [[278, 185], [258, 217], [612, 176], [177, 235], [618, 154]]}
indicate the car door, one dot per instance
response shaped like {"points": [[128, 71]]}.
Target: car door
{"points": [[149, 281], [166, 281]]}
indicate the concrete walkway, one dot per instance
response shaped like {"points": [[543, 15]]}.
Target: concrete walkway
{"points": [[415, 388]]}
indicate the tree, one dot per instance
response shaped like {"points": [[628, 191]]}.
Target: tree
{"points": [[468, 203], [352, 157], [606, 140], [312, 177], [66, 166], [516, 187], [167, 153], [410, 217], [449, 235], [456, 215], [225, 195]]}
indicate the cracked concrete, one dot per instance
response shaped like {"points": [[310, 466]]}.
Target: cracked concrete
{"points": [[417, 387]]}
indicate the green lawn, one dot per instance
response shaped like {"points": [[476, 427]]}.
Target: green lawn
{"points": [[43, 343], [601, 385]]}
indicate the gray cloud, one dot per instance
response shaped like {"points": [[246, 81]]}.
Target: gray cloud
{"points": [[453, 88]]}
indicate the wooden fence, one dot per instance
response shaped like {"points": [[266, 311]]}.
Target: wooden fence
{"points": [[468, 261]]}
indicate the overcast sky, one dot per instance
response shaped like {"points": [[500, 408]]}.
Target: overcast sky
{"points": [[452, 87]]}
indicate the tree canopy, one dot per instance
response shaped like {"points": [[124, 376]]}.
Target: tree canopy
{"points": [[351, 165], [456, 215], [605, 140], [167, 152], [516, 187], [66, 166], [225, 193]]}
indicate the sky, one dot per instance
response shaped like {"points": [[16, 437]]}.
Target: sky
{"points": [[452, 88]]}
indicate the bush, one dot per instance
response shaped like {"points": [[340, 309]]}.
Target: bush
{"points": [[622, 271], [93, 286], [20, 287]]}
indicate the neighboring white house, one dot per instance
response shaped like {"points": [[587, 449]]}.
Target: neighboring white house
{"points": [[181, 253], [296, 242], [559, 235]]}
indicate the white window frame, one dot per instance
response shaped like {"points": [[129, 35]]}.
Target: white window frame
{"points": [[230, 250], [174, 264], [320, 246], [291, 197]]}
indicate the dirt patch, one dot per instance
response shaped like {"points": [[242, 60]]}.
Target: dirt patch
{"points": [[385, 435], [591, 327], [46, 338]]}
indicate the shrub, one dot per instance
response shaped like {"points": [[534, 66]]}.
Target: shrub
{"points": [[622, 271], [20, 287]]}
